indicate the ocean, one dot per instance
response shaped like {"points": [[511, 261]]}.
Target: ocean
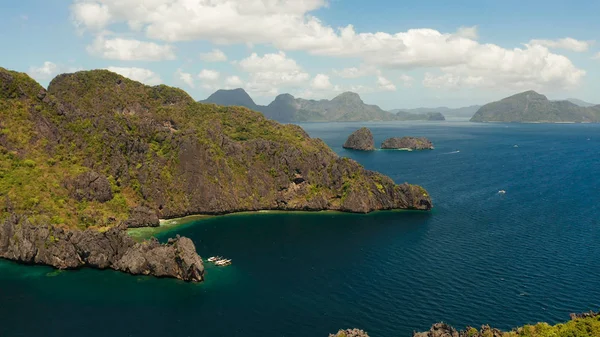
{"points": [[479, 257]]}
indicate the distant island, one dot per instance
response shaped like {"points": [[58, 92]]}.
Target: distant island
{"points": [[407, 143], [531, 107], [464, 112], [361, 139], [97, 153], [346, 107]]}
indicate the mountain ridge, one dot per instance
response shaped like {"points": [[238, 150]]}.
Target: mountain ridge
{"points": [[345, 107], [532, 107]]}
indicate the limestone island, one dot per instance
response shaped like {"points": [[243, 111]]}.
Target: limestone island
{"points": [[408, 143], [96, 153], [361, 140]]}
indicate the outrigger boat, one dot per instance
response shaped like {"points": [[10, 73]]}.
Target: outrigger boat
{"points": [[223, 263], [214, 258]]}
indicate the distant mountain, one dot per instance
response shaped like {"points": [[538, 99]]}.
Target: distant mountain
{"points": [[580, 102], [345, 107], [530, 107], [464, 112]]}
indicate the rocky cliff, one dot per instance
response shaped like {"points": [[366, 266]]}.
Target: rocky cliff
{"points": [[97, 151], [361, 139], [411, 143]]}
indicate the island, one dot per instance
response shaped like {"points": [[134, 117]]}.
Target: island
{"points": [[531, 107], [345, 107], [407, 143], [361, 140], [96, 153]]}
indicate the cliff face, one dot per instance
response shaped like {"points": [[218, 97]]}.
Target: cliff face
{"points": [[97, 151]]}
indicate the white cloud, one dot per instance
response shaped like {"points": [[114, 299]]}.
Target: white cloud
{"points": [[45, 72], [130, 50], [215, 55], [468, 32], [138, 74], [209, 75], [233, 82], [321, 82], [384, 84], [186, 78], [49, 70], [597, 56], [288, 25], [271, 72], [407, 81], [356, 72], [565, 43], [91, 15]]}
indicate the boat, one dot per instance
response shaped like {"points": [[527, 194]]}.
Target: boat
{"points": [[223, 263], [502, 192], [214, 258]]}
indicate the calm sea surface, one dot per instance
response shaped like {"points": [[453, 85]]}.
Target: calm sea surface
{"points": [[530, 255]]}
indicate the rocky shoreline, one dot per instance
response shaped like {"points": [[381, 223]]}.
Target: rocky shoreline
{"points": [[26, 243]]}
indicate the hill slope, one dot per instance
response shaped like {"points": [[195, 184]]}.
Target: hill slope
{"points": [[98, 151], [345, 107], [530, 106]]}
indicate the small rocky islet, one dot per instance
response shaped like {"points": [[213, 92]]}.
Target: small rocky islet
{"points": [[362, 140], [407, 143]]}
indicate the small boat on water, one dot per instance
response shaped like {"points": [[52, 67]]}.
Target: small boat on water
{"points": [[223, 263], [214, 258], [502, 192]]}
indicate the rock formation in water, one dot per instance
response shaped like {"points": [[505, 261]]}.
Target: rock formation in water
{"points": [[531, 107], [97, 152], [350, 333], [361, 139], [22, 241], [345, 107], [410, 143]]}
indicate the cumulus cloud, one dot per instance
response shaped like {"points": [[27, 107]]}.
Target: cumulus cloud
{"points": [[384, 84], [289, 25], [407, 81], [270, 72], [186, 78], [49, 70], [209, 75], [233, 82], [138, 74], [215, 55], [321, 82], [130, 50], [356, 72], [44, 72], [565, 43]]}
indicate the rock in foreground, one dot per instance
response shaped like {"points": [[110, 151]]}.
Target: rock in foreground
{"points": [[408, 143], [361, 139], [24, 242], [350, 333]]}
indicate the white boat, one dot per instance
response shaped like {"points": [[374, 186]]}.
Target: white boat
{"points": [[502, 192], [214, 258], [222, 263]]}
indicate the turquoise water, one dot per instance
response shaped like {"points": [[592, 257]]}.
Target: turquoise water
{"points": [[479, 257]]}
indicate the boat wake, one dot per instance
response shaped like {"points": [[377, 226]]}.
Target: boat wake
{"points": [[453, 152]]}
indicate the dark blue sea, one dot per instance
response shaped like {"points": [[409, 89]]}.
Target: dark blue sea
{"points": [[532, 254]]}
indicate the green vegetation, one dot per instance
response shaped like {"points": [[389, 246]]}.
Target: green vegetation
{"points": [[583, 327], [153, 147], [531, 107]]}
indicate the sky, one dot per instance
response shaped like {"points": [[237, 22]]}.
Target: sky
{"points": [[396, 54]]}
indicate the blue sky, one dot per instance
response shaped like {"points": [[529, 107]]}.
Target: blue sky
{"points": [[396, 54]]}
